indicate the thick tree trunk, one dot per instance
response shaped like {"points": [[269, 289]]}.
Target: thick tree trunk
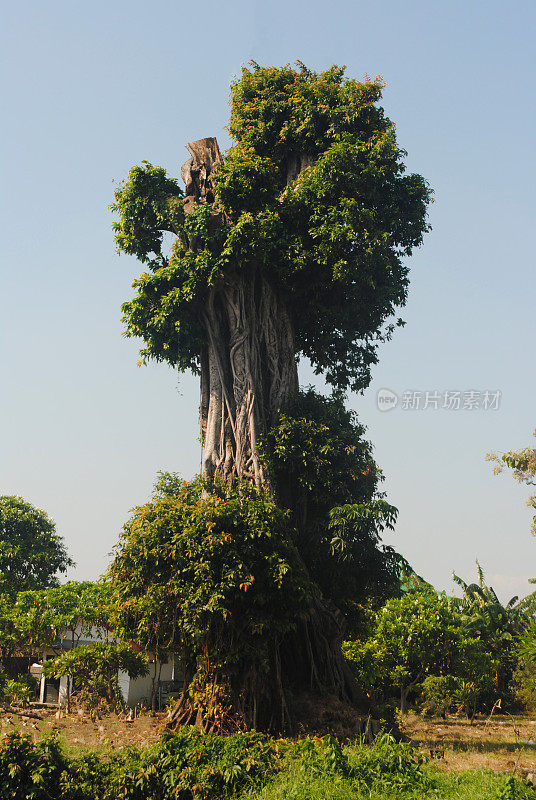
{"points": [[247, 373], [248, 369]]}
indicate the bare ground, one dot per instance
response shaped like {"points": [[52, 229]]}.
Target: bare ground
{"points": [[501, 743], [79, 733]]}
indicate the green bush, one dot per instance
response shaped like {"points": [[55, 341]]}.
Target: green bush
{"points": [[189, 765], [31, 771], [219, 580], [389, 764], [386, 764], [324, 758], [438, 694]]}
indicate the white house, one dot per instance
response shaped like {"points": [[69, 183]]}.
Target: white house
{"points": [[135, 691]]}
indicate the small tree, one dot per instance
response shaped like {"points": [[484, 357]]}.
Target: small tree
{"points": [[523, 465], [416, 636], [31, 552], [46, 617], [96, 668]]}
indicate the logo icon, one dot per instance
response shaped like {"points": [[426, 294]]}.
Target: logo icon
{"points": [[386, 400]]}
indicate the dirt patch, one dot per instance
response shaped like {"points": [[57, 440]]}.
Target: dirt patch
{"points": [[502, 742], [79, 733]]}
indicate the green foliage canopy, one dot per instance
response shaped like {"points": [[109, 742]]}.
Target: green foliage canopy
{"points": [[72, 610], [216, 575], [41, 618], [31, 552], [415, 636], [325, 473], [330, 238]]}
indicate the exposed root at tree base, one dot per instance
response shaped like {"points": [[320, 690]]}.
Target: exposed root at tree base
{"points": [[313, 715]]}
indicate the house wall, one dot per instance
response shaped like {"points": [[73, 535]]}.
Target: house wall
{"points": [[63, 691], [139, 689]]}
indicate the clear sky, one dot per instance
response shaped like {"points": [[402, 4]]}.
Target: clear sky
{"points": [[90, 89]]}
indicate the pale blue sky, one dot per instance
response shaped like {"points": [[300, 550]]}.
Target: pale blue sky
{"points": [[91, 88]]}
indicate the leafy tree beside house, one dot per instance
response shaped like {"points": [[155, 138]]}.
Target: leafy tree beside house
{"points": [[49, 618], [96, 668]]}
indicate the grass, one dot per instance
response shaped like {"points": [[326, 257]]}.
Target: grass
{"points": [[474, 785], [372, 773]]}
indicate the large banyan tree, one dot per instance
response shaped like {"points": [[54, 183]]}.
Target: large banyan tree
{"points": [[291, 244]]}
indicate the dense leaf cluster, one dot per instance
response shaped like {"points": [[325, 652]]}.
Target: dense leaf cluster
{"points": [[221, 575], [454, 653], [41, 618], [208, 574], [417, 636], [95, 667], [331, 239], [325, 473]]}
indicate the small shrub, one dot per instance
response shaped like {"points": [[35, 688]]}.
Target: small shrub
{"points": [[438, 694], [19, 691], [327, 757], [386, 764], [192, 764], [189, 765], [508, 791], [389, 764]]}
